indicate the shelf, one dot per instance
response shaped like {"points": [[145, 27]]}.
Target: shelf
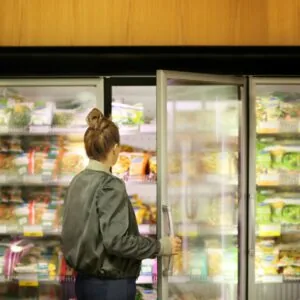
{"points": [[270, 279], [147, 190], [195, 279], [276, 230], [278, 127], [34, 282], [137, 130], [40, 130], [29, 280], [198, 230], [33, 180], [201, 189], [277, 180], [37, 231], [32, 231]]}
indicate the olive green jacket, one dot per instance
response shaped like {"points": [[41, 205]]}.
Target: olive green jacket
{"points": [[100, 236]]}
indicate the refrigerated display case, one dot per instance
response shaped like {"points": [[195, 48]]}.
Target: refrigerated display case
{"points": [[275, 194], [41, 148]]}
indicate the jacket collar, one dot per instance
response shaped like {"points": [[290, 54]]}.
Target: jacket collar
{"points": [[97, 166]]}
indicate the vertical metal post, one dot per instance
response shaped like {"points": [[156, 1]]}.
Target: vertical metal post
{"points": [[162, 165]]}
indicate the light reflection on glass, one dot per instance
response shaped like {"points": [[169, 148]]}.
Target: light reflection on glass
{"points": [[202, 189]]}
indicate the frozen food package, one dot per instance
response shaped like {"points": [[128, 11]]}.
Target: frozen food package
{"points": [[222, 210], [42, 112], [263, 159], [191, 120], [146, 268], [11, 195], [14, 145], [198, 265], [5, 113], [290, 214], [71, 113], [72, 159], [267, 108], [43, 162], [267, 257], [121, 168], [230, 264], [215, 261], [8, 214], [263, 213], [174, 163], [153, 167], [139, 164], [9, 169], [62, 118], [139, 208], [21, 113], [223, 163], [179, 262], [127, 115], [23, 213]]}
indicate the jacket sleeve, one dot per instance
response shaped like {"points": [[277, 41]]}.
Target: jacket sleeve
{"points": [[114, 214]]}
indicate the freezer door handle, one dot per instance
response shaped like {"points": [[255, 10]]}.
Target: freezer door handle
{"points": [[168, 230]]}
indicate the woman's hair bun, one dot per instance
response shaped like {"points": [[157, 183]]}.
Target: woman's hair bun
{"points": [[94, 118]]}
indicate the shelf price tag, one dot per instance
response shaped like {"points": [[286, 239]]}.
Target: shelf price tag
{"points": [[28, 280], [188, 229], [30, 283], [33, 231], [268, 127], [269, 230], [267, 179], [3, 229], [290, 126]]}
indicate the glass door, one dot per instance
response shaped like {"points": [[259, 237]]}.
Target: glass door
{"points": [[274, 221], [201, 185], [42, 123]]}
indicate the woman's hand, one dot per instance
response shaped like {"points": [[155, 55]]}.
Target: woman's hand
{"points": [[176, 245]]}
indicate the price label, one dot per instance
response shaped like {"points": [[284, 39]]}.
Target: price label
{"points": [[3, 129], [268, 127], [30, 283], [33, 231], [191, 230], [269, 230], [3, 229], [268, 179], [32, 179], [12, 228], [289, 179], [39, 129], [2, 179], [289, 126], [30, 279]]}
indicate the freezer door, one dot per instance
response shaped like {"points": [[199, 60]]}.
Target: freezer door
{"points": [[42, 124], [201, 185], [274, 188]]}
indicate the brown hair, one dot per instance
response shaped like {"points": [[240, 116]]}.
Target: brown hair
{"points": [[101, 136]]}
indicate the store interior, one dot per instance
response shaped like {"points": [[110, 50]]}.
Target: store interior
{"points": [[41, 149]]}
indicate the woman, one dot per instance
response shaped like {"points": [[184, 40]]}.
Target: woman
{"points": [[100, 235]]}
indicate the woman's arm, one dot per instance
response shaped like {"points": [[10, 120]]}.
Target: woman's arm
{"points": [[113, 211]]}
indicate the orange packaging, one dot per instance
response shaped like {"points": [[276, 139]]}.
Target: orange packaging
{"points": [[139, 164]]}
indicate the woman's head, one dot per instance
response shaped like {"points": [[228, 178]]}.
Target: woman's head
{"points": [[102, 138]]}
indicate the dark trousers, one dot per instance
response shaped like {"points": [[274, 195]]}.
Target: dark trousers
{"points": [[91, 288]]}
